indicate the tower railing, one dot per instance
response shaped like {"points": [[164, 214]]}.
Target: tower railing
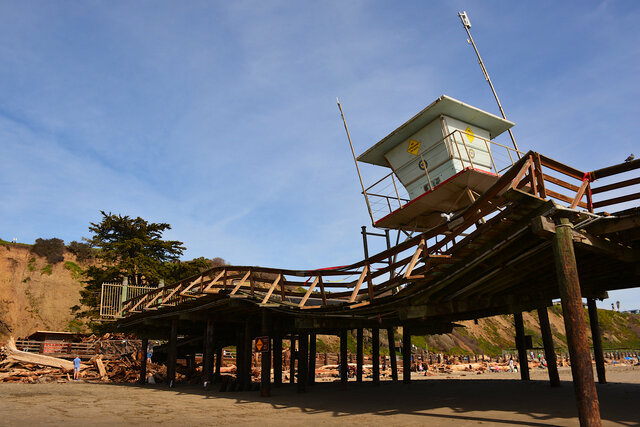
{"points": [[388, 194]]}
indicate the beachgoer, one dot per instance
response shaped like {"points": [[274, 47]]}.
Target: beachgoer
{"points": [[76, 368], [510, 365]]}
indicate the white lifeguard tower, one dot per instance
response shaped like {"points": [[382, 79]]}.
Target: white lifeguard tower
{"points": [[443, 158]]}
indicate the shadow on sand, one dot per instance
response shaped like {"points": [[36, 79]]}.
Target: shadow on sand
{"points": [[483, 400]]}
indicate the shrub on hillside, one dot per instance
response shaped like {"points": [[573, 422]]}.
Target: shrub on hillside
{"points": [[82, 251], [52, 249]]}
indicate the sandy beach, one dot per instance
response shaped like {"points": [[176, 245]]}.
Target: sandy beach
{"points": [[451, 399]]}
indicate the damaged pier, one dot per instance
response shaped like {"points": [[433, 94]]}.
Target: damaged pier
{"points": [[519, 245]]}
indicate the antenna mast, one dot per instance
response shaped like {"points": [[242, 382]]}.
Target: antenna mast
{"points": [[355, 160], [467, 25]]}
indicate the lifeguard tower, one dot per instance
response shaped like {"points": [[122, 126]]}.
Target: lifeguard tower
{"points": [[444, 157]]}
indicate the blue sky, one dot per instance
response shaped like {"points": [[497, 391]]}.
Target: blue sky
{"points": [[220, 117]]}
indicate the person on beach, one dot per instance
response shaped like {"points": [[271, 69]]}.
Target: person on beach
{"points": [[76, 368], [510, 365]]}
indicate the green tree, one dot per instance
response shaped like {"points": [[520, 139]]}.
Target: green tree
{"points": [[131, 248], [52, 249], [178, 270]]}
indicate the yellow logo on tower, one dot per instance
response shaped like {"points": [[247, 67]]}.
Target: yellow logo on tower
{"points": [[414, 147], [470, 134]]}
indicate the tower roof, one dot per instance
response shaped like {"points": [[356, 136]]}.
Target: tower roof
{"points": [[445, 105]]}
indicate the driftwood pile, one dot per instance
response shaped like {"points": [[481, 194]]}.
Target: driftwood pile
{"points": [[25, 367]]}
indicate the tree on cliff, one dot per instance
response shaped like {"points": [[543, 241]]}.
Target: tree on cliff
{"points": [[133, 248], [130, 248]]}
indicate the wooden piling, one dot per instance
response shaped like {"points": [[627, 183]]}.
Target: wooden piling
{"points": [[311, 375], [277, 356], [359, 354], [292, 361], [240, 353], [406, 356], [521, 346], [143, 360], [375, 355], [549, 352], [597, 340], [344, 368], [248, 356], [392, 354], [575, 325], [173, 353], [191, 366], [265, 368], [207, 357], [303, 361], [219, 354]]}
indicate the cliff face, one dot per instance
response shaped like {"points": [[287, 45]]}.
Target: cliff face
{"points": [[36, 295]]}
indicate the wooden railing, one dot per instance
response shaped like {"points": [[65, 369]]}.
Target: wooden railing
{"points": [[606, 189], [113, 295], [83, 349], [360, 283]]}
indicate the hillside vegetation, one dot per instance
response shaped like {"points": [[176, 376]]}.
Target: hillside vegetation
{"points": [[36, 294], [494, 334]]}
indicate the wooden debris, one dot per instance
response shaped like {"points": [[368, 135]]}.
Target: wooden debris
{"points": [[14, 355], [101, 370]]}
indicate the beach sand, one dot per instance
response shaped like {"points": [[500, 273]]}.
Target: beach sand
{"points": [[443, 399]]}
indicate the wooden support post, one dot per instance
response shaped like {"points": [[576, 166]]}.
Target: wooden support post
{"points": [[191, 366], [359, 354], [292, 361], [265, 368], [312, 358], [375, 355], [303, 361], [240, 353], [597, 340], [277, 356], [248, 356], [575, 325], [392, 354], [549, 352], [344, 367], [406, 356], [207, 357], [173, 353], [521, 346], [219, 354], [143, 360]]}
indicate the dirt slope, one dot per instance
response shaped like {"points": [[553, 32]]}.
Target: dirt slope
{"points": [[35, 295]]}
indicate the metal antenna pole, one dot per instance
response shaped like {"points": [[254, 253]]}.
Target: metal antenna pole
{"points": [[467, 24], [355, 160]]}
